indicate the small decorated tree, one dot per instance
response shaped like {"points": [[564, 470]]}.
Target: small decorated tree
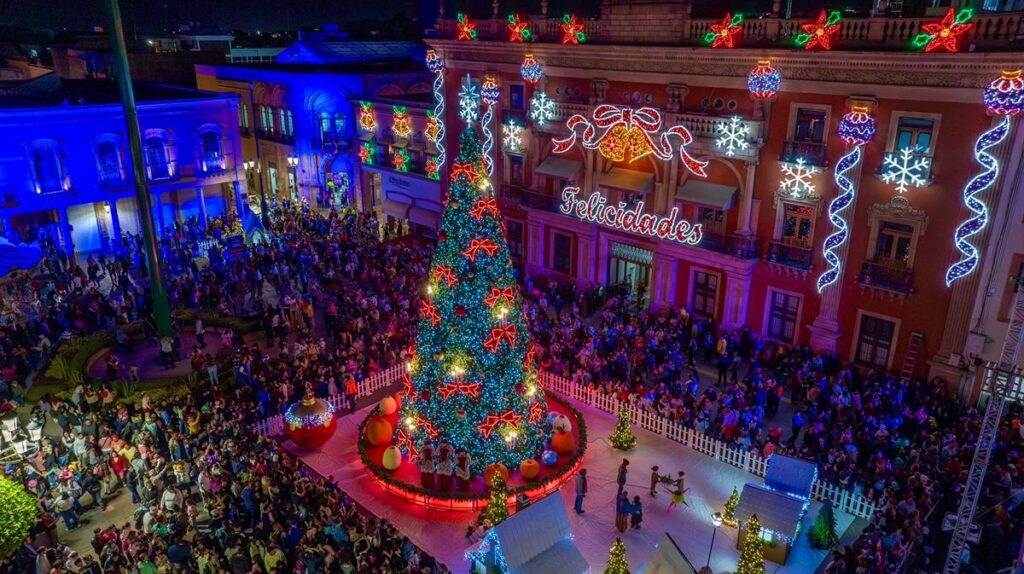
{"points": [[617, 559], [17, 514], [622, 437], [729, 514], [823, 533], [497, 508], [752, 553]]}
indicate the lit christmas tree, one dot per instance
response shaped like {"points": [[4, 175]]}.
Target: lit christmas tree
{"points": [[497, 508], [729, 514], [752, 554], [622, 437], [617, 559], [823, 533], [473, 383]]}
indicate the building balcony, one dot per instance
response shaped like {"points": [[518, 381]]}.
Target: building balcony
{"points": [[277, 137], [893, 278], [812, 153], [531, 199], [744, 247], [793, 256]]}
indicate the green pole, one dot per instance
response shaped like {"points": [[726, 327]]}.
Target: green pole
{"points": [[161, 306]]}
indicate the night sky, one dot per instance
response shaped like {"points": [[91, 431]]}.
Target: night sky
{"points": [[161, 15]]}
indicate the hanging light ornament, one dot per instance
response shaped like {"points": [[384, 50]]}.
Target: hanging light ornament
{"points": [[310, 422], [764, 81], [531, 70]]}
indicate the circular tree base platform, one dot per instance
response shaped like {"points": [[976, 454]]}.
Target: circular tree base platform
{"points": [[405, 482]]}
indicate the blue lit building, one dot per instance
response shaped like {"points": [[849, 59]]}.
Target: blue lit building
{"points": [[302, 111], [65, 169]]}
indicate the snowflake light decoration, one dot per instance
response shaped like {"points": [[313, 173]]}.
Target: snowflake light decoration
{"points": [[908, 168], [512, 136], [946, 34], [726, 33], [518, 29], [797, 178], [469, 101], [732, 135], [821, 32], [542, 108], [572, 30]]}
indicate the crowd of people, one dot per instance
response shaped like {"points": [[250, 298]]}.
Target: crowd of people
{"points": [[335, 303]]}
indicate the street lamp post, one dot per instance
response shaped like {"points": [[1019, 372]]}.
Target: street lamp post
{"points": [[264, 216], [293, 163], [716, 520]]}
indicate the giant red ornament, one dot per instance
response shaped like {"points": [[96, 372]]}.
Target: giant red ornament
{"points": [[310, 422]]}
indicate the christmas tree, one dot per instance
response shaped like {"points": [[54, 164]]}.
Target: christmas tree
{"points": [[729, 515], [617, 559], [751, 556], [18, 513], [823, 533], [497, 508], [622, 437], [472, 380]]}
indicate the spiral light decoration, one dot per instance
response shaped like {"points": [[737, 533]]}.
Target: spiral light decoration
{"points": [[489, 94], [436, 66]]}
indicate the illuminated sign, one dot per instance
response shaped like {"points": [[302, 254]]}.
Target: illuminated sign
{"points": [[629, 218]]}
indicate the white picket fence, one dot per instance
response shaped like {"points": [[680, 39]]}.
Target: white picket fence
{"points": [[841, 498]]}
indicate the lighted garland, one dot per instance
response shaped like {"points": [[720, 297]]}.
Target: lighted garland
{"points": [[945, 35], [489, 94], [531, 70], [821, 32], [725, 34], [764, 81], [857, 128], [1003, 97], [435, 119]]}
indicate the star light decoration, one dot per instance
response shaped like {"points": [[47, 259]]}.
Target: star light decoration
{"points": [[907, 168], [764, 81], [531, 70], [732, 135], [467, 28], [821, 32], [797, 178], [469, 101], [401, 123], [572, 30], [432, 169], [400, 159], [512, 136], [542, 108], [518, 29], [725, 34], [367, 153], [367, 121], [945, 35]]}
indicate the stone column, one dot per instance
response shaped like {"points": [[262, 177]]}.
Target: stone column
{"points": [[743, 226], [538, 243], [115, 226], [65, 231], [201, 201], [8, 228], [586, 255], [676, 97], [598, 91], [664, 280], [737, 289]]}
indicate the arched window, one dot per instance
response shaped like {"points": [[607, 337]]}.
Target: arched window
{"points": [[211, 156], [243, 116], [325, 127], [47, 162], [266, 119], [155, 148], [109, 160], [339, 126], [285, 119]]}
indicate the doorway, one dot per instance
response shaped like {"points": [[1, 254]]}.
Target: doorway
{"points": [[629, 268]]}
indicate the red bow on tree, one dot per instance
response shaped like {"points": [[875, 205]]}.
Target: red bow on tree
{"points": [[483, 206], [427, 425], [536, 413], [407, 382], [405, 442], [471, 389], [505, 293], [530, 356], [465, 169], [505, 332], [446, 273], [492, 421], [429, 311], [477, 245]]}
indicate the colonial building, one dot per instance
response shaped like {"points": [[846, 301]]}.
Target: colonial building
{"points": [[299, 116], [66, 168], [652, 112]]}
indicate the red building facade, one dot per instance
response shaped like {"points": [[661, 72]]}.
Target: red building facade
{"points": [[763, 202]]}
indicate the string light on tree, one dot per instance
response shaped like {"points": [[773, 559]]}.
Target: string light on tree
{"points": [[752, 551], [764, 81], [518, 29], [512, 136], [469, 101], [572, 30], [822, 32], [489, 94], [367, 121], [797, 178], [542, 108], [435, 130], [732, 135], [467, 27], [945, 35], [856, 128], [617, 563], [725, 34], [531, 70], [401, 123], [1003, 97], [906, 168], [629, 134]]}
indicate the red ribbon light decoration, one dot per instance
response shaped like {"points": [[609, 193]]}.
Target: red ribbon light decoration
{"points": [[505, 332], [505, 293], [484, 206], [470, 389], [407, 384], [536, 413], [429, 311], [530, 356], [641, 128], [477, 245], [465, 169], [446, 273], [404, 441], [427, 425], [491, 421]]}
